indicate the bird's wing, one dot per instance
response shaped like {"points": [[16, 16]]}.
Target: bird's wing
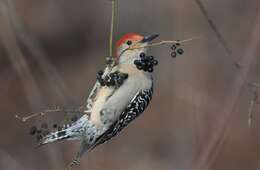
{"points": [[93, 94], [137, 106], [92, 97]]}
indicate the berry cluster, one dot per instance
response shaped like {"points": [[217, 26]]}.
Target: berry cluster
{"points": [[146, 63], [176, 50], [43, 130], [113, 79], [40, 131]]}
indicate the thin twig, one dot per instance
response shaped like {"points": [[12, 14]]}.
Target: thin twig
{"points": [[163, 42], [112, 28], [111, 38], [47, 111]]}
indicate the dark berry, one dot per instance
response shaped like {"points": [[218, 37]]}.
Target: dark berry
{"points": [[180, 51], [55, 126], [149, 64], [155, 62], [145, 69], [151, 58], [39, 131], [150, 69], [137, 62], [33, 130], [142, 55], [173, 47], [140, 67], [124, 75], [143, 64], [173, 54], [146, 58]]}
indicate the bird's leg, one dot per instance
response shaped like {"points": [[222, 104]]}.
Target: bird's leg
{"points": [[146, 63], [116, 78], [84, 147]]}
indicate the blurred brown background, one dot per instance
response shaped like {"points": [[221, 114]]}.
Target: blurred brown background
{"points": [[51, 50]]}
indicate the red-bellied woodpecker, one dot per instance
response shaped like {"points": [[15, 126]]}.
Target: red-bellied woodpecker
{"points": [[116, 99]]}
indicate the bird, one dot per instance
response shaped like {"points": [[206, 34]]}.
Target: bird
{"points": [[117, 98]]}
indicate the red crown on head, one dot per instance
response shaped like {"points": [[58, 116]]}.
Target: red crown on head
{"points": [[126, 37]]}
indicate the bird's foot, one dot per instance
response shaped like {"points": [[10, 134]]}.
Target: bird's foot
{"points": [[113, 79]]}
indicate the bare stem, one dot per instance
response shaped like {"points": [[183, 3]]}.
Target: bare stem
{"points": [[163, 42], [112, 28], [47, 111]]}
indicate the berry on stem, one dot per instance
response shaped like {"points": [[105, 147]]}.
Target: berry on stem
{"points": [[180, 51], [174, 54]]}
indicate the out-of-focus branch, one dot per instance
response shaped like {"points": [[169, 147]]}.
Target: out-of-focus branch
{"points": [[37, 52], [216, 31], [229, 53], [253, 103], [213, 143], [17, 59]]}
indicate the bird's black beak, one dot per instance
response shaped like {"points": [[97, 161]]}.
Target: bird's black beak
{"points": [[149, 38]]}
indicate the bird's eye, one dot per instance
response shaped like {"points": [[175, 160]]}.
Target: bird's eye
{"points": [[129, 42]]}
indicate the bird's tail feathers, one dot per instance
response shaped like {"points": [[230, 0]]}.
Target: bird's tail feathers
{"points": [[68, 131]]}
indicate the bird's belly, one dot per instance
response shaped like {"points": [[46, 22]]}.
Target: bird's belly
{"points": [[101, 97]]}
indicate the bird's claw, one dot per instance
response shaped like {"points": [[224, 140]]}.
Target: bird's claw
{"points": [[113, 79]]}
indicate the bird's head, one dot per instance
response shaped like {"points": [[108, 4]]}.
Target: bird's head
{"points": [[128, 47]]}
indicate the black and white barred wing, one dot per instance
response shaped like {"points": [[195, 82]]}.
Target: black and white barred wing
{"points": [[135, 108]]}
